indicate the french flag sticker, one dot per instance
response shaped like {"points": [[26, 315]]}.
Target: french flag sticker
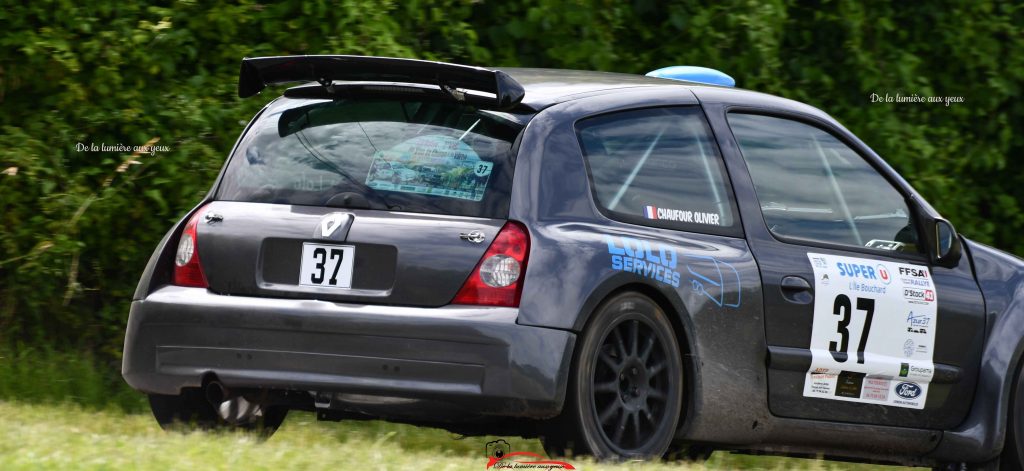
{"points": [[651, 212]]}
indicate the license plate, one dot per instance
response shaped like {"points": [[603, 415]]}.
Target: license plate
{"points": [[326, 265]]}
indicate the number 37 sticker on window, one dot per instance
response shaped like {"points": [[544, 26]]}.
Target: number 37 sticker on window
{"points": [[874, 331]]}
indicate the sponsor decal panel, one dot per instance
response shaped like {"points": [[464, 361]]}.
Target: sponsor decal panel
{"points": [[873, 332]]}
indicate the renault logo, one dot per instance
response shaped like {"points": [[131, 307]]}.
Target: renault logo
{"points": [[332, 222]]}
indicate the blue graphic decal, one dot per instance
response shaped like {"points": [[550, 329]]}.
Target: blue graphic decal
{"points": [[640, 257], [717, 280]]}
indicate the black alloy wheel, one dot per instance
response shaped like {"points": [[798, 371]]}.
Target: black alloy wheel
{"points": [[1012, 457], [625, 393], [631, 385]]}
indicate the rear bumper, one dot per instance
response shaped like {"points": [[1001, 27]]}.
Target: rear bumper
{"points": [[471, 359]]}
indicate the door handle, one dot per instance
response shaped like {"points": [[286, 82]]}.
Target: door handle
{"points": [[795, 283], [796, 290]]}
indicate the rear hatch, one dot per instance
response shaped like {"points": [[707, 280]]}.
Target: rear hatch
{"points": [[385, 201]]}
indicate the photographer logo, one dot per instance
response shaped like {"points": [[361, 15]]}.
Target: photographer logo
{"points": [[501, 456]]}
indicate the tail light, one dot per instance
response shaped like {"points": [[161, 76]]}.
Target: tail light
{"points": [[498, 279], [187, 269]]}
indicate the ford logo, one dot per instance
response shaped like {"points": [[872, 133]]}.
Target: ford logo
{"points": [[908, 390]]}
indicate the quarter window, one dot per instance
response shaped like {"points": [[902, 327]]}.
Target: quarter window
{"points": [[813, 187], [658, 167]]}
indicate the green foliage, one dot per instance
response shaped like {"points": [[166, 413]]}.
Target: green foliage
{"points": [[42, 375], [79, 226], [832, 55], [76, 228]]}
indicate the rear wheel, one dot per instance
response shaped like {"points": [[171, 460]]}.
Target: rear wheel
{"points": [[625, 391], [191, 411], [1012, 457]]}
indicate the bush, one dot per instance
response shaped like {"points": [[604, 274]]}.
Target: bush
{"points": [[78, 226]]}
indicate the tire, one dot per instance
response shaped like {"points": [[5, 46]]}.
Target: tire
{"points": [[191, 411], [1012, 457], [625, 391]]}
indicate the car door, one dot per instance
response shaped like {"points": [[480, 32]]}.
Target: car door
{"points": [[860, 327]]}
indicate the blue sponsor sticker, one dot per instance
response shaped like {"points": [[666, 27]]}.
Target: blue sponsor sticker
{"points": [[657, 262], [856, 270]]}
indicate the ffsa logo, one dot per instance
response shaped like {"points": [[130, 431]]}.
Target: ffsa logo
{"points": [[914, 272]]}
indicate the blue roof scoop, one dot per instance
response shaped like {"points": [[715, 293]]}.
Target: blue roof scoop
{"points": [[691, 73]]}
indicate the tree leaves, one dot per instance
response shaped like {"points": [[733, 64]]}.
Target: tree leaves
{"points": [[103, 72]]}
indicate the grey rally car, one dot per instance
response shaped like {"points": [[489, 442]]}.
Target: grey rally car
{"points": [[625, 266]]}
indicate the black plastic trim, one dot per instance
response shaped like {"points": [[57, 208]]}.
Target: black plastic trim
{"points": [[257, 73]]}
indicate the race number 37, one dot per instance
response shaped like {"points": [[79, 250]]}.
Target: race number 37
{"points": [[326, 265], [843, 307]]}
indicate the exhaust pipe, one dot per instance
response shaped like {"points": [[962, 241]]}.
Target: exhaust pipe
{"points": [[231, 407], [216, 393]]}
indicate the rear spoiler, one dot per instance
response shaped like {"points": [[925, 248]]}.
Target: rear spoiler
{"points": [[259, 72]]}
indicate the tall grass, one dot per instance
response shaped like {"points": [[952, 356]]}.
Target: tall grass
{"points": [[61, 410], [67, 436], [48, 376]]}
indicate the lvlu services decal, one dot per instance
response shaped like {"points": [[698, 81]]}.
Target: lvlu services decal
{"points": [[501, 456], [717, 280], [655, 261], [871, 341]]}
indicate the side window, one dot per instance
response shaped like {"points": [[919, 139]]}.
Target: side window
{"points": [[813, 187], [658, 167]]}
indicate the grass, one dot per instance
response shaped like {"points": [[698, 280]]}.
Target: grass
{"points": [[48, 376], [70, 436], [63, 410]]}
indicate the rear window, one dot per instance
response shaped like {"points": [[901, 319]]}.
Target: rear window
{"points": [[414, 156]]}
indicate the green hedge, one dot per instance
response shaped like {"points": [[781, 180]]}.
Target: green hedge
{"points": [[76, 228]]}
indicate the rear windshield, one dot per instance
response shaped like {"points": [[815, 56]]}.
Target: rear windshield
{"points": [[415, 156]]}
